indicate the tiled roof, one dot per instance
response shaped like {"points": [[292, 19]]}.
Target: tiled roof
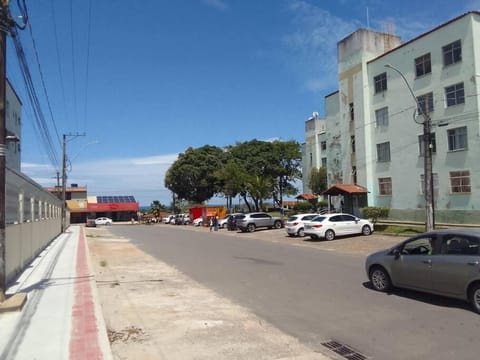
{"points": [[306, 197], [342, 189]]}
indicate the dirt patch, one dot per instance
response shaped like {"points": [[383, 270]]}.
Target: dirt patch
{"points": [[153, 311]]}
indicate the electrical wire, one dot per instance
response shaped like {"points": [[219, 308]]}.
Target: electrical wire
{"points": [[73, 65], [54, 125], [39, 117], [87, 62], [59, 63]]}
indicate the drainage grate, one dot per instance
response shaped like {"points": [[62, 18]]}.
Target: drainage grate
{"points": [[343, 350]]}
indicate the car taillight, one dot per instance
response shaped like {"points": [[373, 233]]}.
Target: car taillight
{"points": [[317, 226], [295, 223]]}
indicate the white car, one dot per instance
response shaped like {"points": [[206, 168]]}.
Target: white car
{"points": [[103, 221], [198, 221], [329, 226], [295, 224]]}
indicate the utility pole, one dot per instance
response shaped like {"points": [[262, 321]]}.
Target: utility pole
{"points": [[427, 154], [64, 177], [428, 172], [4, 25]]}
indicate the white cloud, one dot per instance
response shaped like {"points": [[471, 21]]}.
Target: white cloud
{"points": [[313, 44], [140, 177], [217, 4]]}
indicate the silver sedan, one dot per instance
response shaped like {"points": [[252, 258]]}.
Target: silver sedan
{"points": [[444, 262]]}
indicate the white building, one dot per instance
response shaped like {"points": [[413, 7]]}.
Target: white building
{"points": [[373, 131]]}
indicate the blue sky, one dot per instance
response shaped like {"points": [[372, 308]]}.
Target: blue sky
{"points": [[145, 80]]}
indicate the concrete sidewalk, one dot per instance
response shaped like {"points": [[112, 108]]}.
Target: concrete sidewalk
{"points": [[61, 318]]}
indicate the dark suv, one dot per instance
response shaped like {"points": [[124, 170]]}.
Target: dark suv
{"points": [[232, 221]]}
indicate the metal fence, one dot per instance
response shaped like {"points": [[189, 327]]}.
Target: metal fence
{"points": [[32, 218]]}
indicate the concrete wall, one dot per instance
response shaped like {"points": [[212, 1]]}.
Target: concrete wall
{"points": [[33, 219]]}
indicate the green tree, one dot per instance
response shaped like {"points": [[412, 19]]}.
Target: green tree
{"points": [[286, 167], [251, 160], [192, 176], [318, 180]]}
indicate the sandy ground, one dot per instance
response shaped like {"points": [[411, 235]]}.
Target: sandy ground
{"points": [[153, 311]]}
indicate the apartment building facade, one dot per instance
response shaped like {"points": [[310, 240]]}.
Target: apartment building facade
{"points": [[373, 133]]}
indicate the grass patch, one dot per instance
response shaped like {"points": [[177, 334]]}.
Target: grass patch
{"points": [[405, 230]]}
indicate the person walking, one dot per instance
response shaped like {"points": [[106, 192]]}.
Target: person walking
{"points": [[211, 223], [215, 222]]}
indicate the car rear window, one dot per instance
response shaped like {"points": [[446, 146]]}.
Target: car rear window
{"points": [[318, 218], [292, 218]]}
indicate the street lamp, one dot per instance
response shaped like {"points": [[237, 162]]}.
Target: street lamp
{"points": [[427, 154]]}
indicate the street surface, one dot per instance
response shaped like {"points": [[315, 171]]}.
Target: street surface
{"points": [[314, 291]]}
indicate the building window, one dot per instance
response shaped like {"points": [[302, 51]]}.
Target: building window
{"points": [[383, 152], [452, 53], [324, 162], [435, 183], [433, 143], [455, 94], [457, 139], [380, 82], [423, 65], [425, 103], [352, 112], [323, 145], [460, 181], [311, 159], [354, 174], [381, 117], [352, 141], [385, 186]]}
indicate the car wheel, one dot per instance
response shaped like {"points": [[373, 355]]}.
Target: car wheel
{"points": [[475, 297], [380, 279], [277, 224], [251, 227], [329, 235], [366, 230], [300, 232]]}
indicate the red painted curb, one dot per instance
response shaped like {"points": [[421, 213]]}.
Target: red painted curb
{"points": [[84, 337]]}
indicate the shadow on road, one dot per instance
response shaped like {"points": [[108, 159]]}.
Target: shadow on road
{"points": [[424, 297]]}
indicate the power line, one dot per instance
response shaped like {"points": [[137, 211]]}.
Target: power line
{"points": [[88, 61], [59, 63]]}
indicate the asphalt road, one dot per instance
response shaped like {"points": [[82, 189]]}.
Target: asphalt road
{"points": [[314, 292]]}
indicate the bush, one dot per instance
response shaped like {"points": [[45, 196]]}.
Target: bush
{"points": [[374, 213], [302, 207]]}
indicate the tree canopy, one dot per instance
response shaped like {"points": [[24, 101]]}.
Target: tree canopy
{"points": [[255, 170]]}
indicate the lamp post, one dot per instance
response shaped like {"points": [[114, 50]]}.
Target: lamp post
{"points": [[427, 154]]}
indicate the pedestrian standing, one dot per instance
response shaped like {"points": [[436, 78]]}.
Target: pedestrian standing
{"points": [[215, 222], [211, 223]]}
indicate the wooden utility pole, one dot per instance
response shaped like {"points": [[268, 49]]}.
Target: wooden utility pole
{"points": [[4, 20], [64, 178]]}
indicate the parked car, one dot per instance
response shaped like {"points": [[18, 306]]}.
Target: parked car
{"points": [[181, 219], [168, 218], [223, 223], [444, 262], [232, 221], [251, 221], [295, 224], [103, 221], [329, 226], [198, 221]]}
